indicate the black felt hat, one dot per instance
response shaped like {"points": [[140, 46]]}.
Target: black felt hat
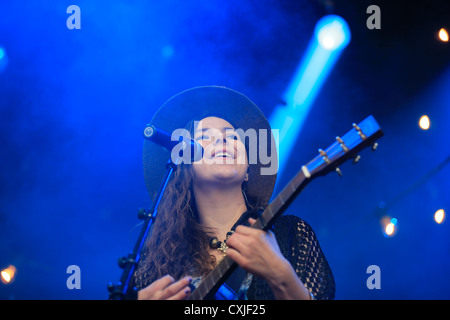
{"points": [[194, 104]]}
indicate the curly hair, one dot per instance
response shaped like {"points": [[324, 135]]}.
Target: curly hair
{"points": [[178, 244]]}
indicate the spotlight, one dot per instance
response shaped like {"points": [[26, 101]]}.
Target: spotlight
{"points": [[443, 35], [332, 32], [331, 36], [424, 122], [439, 216]]}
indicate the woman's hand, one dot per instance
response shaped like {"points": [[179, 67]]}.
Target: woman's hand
{"points": [[166, 288], [258, 252]]}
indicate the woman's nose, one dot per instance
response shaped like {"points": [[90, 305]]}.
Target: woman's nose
{"points": [[220, 139]]}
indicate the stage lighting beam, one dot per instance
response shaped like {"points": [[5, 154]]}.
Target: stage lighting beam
{"points": [[3, 58], [331, 36]]}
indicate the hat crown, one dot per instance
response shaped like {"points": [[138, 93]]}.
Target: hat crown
{"points": [[196, 104]]}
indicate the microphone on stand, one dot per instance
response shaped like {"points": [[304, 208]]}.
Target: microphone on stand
{"points": [[178, 143], [182, 149]]}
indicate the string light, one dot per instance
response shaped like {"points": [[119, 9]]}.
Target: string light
{"points": [[439, 216], [424, 122], [389, 226], [443, 35], [8, 274]]}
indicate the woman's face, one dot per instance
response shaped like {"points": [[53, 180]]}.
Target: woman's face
{"points": [[225, 158]]}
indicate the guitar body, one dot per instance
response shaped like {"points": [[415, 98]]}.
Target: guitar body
{"points": [[229, 289]]}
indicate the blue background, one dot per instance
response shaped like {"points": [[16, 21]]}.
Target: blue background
{"points": [[73, 104]]}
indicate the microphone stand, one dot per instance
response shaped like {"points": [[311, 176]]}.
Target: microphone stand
{"points": [[124, 290]]}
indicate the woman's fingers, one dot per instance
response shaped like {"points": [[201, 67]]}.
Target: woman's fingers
{"points": [[237, 257], [166, 288], [155, 289], [255, 250], [163, 283], [179, 290]]}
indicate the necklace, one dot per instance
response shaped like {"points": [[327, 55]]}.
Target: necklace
{"points": [[214, 243]]}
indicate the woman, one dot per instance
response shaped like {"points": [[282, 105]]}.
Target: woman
{"points": [[199, 218]]}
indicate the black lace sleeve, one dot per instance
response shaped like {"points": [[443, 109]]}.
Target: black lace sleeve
{"points": [[298, 243]]}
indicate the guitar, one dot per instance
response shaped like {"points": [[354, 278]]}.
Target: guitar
{"points": [[344, 148]]}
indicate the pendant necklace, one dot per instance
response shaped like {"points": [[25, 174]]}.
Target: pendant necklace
{"points": [[214, 243]]}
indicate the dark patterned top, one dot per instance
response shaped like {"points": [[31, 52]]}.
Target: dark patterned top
{"points": [[298, 243]]}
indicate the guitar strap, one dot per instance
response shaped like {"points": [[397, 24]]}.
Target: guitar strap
{"points": [[232, 284]]}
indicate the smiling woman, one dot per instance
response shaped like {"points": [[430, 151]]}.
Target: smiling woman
{"points": [[221, 144], [219, 197]]}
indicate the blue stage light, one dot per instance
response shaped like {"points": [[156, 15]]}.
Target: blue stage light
{"points": [[332, 32], [3, 59], [331, 36]]}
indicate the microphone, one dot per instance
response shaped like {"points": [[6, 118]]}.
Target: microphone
{"points": [[179, 143]]}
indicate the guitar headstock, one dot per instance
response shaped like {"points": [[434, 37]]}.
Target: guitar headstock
{"points": [[363, 135]]}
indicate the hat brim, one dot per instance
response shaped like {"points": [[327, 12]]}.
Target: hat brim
{"points": [[192, 104]]}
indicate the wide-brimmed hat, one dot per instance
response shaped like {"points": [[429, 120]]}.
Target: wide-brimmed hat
{"points": [[194, 104]]}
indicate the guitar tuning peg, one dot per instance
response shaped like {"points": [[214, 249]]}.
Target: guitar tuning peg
{"points": [[358, 129], [356, 159], [375, 146], [342, 144], [339, 172], [324, 156]]}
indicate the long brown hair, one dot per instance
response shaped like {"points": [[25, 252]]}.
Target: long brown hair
{"points": [[178, 244]]}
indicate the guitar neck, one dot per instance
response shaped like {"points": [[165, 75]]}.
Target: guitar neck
{"points": [[361, 136], [213, 280], [283, 200]]}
